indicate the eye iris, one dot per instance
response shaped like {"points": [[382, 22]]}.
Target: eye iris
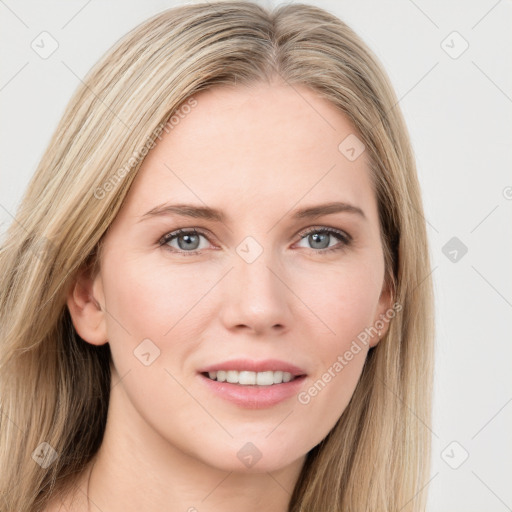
{"points": [[190, 240], [319, 238]]}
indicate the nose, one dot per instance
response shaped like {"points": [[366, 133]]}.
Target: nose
{"points": [[256, 298]]}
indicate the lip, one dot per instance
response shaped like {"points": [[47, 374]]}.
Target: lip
{"points": [[249, 365], [254, 396]]}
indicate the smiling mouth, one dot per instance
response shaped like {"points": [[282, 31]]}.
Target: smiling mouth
{"points": [[248, 378]]}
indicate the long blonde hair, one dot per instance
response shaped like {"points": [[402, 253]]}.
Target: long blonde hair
{"points": [[54, 387]]}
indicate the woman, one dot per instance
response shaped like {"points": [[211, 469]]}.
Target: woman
{"points": [[216, 293]]}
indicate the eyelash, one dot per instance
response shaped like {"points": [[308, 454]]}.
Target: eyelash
{"points": [[344, 238]]}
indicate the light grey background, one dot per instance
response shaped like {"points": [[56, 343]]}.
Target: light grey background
{"points": [[459, 113]]}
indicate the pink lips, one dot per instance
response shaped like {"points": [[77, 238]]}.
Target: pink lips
{"points": [[254, 397]]}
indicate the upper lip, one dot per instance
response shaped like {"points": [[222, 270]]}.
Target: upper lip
{"points": [[250, 365]]}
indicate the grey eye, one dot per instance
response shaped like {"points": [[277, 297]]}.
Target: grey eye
{"points": [[319, 240], [187, 241]]}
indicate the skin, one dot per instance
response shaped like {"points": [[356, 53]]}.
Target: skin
{"points": [[257, 153]]}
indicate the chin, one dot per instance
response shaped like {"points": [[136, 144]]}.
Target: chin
{"points": [[256, 456]]}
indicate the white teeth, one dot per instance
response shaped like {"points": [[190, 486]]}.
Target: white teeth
{"points": [[278, 377], [232, 376], [246, 378], [265, 378]]}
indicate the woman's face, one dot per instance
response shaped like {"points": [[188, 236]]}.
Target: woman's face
{"points": [[258, 285]]}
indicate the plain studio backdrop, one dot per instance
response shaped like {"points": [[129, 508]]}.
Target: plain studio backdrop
{"points": [[450, 65]]}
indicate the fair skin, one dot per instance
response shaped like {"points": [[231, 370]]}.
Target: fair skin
{"points": [[258, 154]]}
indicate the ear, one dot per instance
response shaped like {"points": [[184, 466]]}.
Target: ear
{"points": [[85, 300], [383, 316]]}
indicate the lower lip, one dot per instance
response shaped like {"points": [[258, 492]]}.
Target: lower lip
{"points": [[254, 397]]}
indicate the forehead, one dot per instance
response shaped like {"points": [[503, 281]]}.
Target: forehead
{"points": [[254, 147]]}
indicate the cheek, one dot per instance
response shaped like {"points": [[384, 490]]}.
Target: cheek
{"points": [[152, 300], [348, 307], [152, 319], [157, 315], [326, 396], [341, 358], [345, 299]]}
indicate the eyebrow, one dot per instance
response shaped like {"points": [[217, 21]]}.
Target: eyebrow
{"points": [[213, 214]]}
